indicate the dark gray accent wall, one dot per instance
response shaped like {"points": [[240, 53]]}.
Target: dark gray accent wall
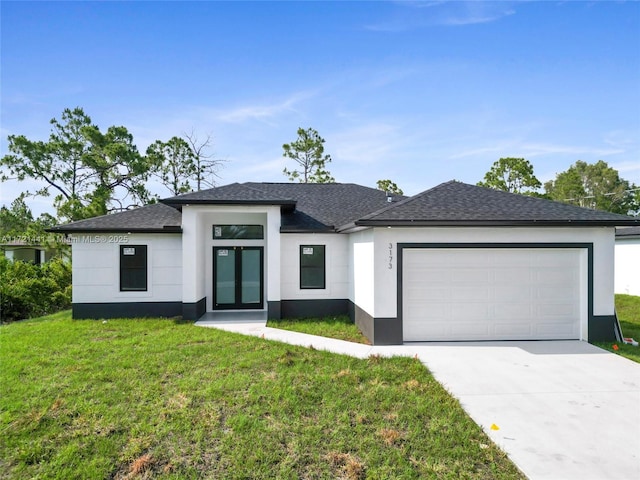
{"points": [[387, 331], [273, 310], [126, 310], [379, 331], [193, 311], [602, 328], [313, 308], [363, 320]]}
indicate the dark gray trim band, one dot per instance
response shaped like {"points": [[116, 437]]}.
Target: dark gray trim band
{"points": [[379, 331], [193, 311], [126, 310], [313, 308], [602, 328], [585, 245], [273, 310]]}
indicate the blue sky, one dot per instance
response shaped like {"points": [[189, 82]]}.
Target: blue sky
{"points": [[418, 92]]}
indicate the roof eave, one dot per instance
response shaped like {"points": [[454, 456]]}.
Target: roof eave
{"points": [[494, 223], [168, 229], [307, 230], [283, 203]]}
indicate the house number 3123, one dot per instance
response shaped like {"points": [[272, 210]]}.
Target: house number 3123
{"points": [[390, 256]]}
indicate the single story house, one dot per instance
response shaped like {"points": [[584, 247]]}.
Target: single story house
{"points": [[455, 262], [627, 279]]}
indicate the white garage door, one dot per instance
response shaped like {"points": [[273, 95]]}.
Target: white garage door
{"points": [[493, 294]]}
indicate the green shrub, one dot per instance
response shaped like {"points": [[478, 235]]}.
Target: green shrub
{"points": [[28, 290]]}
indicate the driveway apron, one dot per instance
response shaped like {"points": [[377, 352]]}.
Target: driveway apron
{"points": [[560, 410]]}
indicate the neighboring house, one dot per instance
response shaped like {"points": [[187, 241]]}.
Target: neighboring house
{"points": [[27, 252], [456, 262], [628, 260]]}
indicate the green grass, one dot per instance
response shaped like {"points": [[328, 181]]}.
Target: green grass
{"points": [[339, 327], [628, 310], [165, 399]]}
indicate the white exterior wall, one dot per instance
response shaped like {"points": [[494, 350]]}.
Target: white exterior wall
{"points": [[336, 263], [361, 274], [197, 228], [627, 266], [96, 268], [385, 302]]}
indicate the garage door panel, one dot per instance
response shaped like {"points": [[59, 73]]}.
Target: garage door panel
{"points": [[474, 329], [492, 294], [515, 312], [465, 276], [509, 275], [513, 329], [554, 259], [469, 311], [559, 294], [563, 309], [553, 330], [512, 293], [465, 294], [429, 293], [509, 259], [553, 275]]}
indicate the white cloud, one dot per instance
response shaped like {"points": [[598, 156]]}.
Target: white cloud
{"points": [[471, 13], [520, 148], [264, 111], [414, 15]]}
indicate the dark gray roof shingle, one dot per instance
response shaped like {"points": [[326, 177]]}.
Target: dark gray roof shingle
{"points": [[318, 206], [238, 193], [157, 217], [628, 232], [456, 203]]}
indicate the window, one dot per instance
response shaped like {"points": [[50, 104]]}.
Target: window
{"points": [[312, 266], [242, 232], [133, 268]]}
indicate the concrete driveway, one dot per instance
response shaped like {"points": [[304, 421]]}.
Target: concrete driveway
{"points": [[561, 410]]}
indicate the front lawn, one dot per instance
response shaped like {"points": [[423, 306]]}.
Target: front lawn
{"points": [[160, 398], [340, 327], [628, 310]]}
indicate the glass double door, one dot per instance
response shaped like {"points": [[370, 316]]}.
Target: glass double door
{"points": [[238, 278]]}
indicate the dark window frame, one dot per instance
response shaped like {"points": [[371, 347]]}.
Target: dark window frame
{"points": [[125, 281], [305, 268], [239, 234]]}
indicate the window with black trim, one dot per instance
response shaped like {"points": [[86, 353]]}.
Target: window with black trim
{"points": [[238, 232], [312, 266], [133, 268]]}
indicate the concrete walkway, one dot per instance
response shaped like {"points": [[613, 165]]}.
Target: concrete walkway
{"points": [[559, 409]]}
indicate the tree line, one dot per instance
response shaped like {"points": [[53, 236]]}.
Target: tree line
{"points": [[90, 172], [591, 185]]}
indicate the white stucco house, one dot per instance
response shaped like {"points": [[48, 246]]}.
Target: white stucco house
{"points": [[627, 279], [456, 262]]}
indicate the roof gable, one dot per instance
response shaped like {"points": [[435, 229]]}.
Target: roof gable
{"points": [[456, 203]]}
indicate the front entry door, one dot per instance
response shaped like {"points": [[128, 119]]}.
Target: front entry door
{"points": [[238, 278]]}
